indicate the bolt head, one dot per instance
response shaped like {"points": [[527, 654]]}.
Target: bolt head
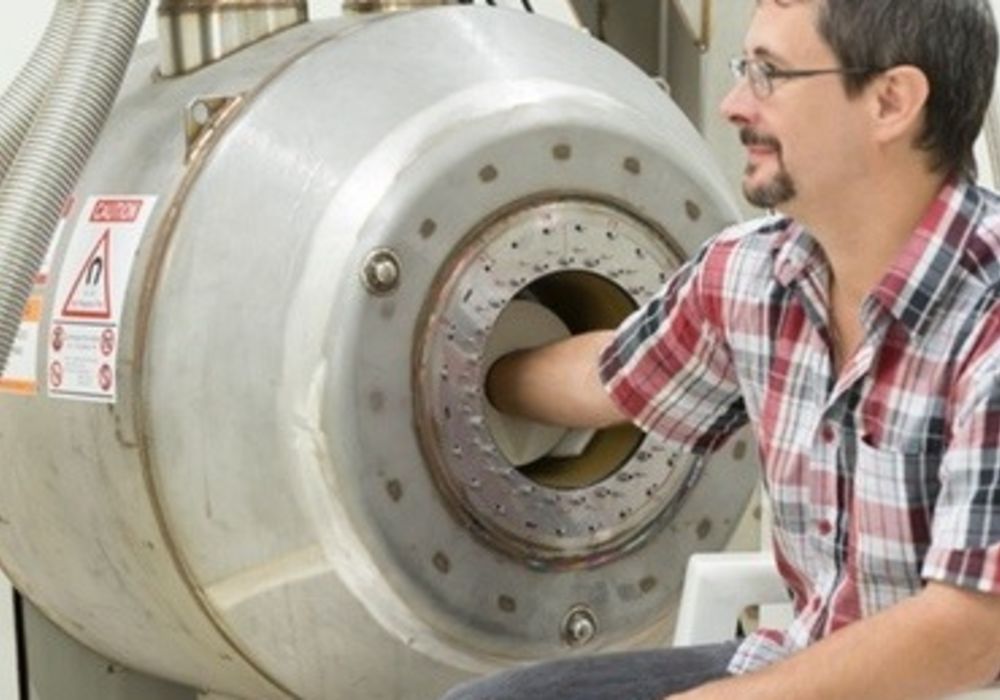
{"points": [[579, 626], [380, 271]]}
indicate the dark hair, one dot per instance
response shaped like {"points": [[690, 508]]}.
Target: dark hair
{"points": [[954, 43]]}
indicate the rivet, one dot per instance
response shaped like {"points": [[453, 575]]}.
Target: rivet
{"points": [[442, 563], [633, 165], [562, 152], [704, 528], [740, 449], [395, 490], [488, 174], [693, 210], [427, 228]]}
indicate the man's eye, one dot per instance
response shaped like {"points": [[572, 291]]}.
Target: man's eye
{"points": [[768, 69]]}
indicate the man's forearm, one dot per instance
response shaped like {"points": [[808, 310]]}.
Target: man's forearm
{"points": [[940, 642], [556, 384]]}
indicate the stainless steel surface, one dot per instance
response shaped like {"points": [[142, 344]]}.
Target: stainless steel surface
{"points": [[592, 263], [195, 33], [271, 508], [392, 5], [202, 116]]}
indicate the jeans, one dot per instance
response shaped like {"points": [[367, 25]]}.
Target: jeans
{"points": [[641, 675]]}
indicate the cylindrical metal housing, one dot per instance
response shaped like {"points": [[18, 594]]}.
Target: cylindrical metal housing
{"points": [[284, 479]]}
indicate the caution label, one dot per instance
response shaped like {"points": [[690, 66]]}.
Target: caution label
{"points": [[93, 278], [90, 295]]}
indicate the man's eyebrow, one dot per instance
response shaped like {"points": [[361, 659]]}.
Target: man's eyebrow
{"points": [[765, 54]]}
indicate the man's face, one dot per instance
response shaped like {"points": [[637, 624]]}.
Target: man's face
{"points": [[803, 138]]}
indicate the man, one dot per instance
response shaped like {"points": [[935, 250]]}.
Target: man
{"points": [[859, 332]]}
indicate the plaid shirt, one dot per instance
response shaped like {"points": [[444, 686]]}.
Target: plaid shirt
{"points": [[881, 478]]}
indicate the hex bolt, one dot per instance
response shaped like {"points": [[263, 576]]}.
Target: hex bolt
{"points": [[579, 626], [381, 271]]}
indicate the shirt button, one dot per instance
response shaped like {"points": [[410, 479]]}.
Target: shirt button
{"points": [[825, 527], [828, 433]]}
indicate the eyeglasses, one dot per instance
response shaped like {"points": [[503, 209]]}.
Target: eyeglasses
{"points": [[761, 75]]}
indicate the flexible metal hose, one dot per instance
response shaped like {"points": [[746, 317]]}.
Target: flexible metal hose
{"points": [[20, 101], [58, 145]]}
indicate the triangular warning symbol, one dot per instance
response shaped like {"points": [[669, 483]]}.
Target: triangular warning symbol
{"points": [[90, 296]]}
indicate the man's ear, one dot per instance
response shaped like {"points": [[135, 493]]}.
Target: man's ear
{"points": [[898, 100]]}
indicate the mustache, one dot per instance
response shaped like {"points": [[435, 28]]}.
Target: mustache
{"points": [[749, 137]]}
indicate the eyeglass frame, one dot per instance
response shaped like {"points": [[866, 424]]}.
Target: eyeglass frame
{"points": [[763, 87]]}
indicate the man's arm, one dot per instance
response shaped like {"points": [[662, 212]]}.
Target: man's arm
{"points": [[942, 641], [556, 384]]}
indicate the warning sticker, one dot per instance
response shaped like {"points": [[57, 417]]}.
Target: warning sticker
{"points": [[90, 296], [83, 336], [20, 375]]}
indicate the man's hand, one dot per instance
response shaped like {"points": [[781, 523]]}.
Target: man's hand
{"points": [[943, 641]]}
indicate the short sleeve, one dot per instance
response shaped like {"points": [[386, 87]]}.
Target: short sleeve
{"points": [[669, 367], [965, 535]]}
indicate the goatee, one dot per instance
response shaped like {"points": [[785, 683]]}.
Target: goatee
{"points": [[781, 188]]}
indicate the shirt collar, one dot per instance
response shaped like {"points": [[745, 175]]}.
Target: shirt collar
{"points": [[922, 273], [794, 251]]}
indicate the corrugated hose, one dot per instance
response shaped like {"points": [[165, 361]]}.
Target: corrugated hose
{"points": [[58, 145]]}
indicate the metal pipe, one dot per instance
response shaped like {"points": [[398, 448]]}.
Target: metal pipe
{"points": [[392, 5], [195, 33], [58, 145], [24, 96]]}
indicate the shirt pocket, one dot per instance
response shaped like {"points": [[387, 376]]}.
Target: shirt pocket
{"points": [[890, 519]]}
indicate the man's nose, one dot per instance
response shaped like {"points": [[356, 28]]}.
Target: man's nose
{"points": [[739, 106]]}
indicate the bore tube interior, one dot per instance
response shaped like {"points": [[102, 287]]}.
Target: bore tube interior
{"points": [[585, 302]]}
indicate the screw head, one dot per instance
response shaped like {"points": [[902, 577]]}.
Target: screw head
{"points": [[579, 626], [380, 271]]}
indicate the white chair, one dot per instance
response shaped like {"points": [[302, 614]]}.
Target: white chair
{"points": [[718, 587]]}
